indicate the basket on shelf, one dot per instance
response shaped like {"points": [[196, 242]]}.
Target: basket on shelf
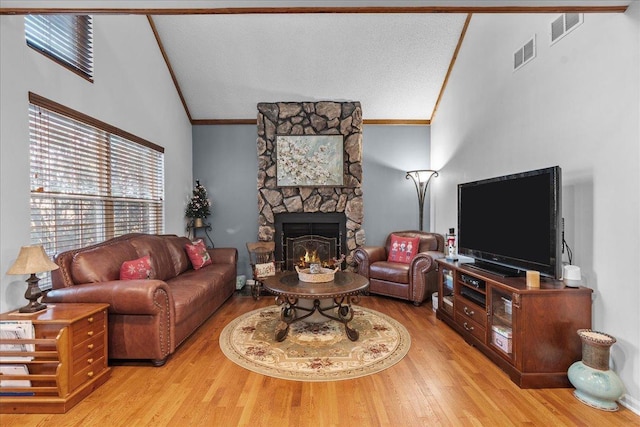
{"points": [[325, 275]]}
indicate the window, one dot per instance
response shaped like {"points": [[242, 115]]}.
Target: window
{"points": [[89, 181], [67, 39]]}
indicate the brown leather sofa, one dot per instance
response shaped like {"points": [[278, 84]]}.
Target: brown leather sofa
{"points": [[149, 318], [415, 281]]}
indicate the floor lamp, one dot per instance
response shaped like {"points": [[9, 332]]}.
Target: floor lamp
{"points": [[421, 179]]}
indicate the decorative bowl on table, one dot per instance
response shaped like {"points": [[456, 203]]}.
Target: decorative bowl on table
{"points": [[323, 274]]}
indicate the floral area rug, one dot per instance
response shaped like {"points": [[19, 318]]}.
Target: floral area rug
{"points": [[315, 351]]}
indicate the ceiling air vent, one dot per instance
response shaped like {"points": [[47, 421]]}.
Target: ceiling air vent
{"points": [[564, 24], [525, 54]]}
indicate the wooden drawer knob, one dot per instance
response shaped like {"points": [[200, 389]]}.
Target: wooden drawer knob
{"points": [[90, 374], [90, 319], [90, 333], [90, 361], [90, 346]]}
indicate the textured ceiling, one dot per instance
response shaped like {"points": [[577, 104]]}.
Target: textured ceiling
{"points": [[394, 64]]}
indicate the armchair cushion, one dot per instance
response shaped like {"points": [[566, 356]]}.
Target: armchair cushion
{"points": [[390, 271], [403, 249]]}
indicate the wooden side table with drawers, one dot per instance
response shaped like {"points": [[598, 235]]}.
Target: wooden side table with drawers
{"points": [[68, 359]]}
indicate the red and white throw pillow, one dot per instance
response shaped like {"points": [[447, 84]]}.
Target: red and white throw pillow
{"points": [[198, 254], [136, 269], [403, 249]]}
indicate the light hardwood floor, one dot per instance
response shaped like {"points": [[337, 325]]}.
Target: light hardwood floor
{"points": [[441, 381]]}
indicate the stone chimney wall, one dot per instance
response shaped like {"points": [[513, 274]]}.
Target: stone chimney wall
{"points": [[311, 118]]}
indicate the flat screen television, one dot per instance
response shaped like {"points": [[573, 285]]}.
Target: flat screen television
{"points": [[512, 223]]}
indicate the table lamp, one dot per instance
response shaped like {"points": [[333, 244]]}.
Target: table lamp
{"points": [[32, 260]]}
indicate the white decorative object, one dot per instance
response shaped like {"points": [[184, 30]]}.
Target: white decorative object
{"points": [[572, 276]]}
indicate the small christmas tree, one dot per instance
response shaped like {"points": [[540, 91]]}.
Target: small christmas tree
{"points": [[199, 205]]}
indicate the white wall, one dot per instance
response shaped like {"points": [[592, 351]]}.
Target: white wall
{"points": [[390, 199], [132, 90], [577, 105]]}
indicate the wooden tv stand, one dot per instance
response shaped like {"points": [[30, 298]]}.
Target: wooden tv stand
{"points": [[530, 333]]}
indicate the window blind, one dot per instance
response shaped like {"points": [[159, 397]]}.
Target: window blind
{"points": [[67, 39], [89, 184]]}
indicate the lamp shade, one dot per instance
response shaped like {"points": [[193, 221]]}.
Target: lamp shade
{"points": [[31, 260]]}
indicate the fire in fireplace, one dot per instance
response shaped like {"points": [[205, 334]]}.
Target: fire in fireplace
{"points": [[306, 250], [305, 238]]}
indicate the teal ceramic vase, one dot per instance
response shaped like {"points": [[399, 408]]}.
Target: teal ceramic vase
{"points": [[596, 385]]}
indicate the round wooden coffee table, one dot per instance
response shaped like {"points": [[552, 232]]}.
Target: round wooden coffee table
{"points": [[316, 301]]}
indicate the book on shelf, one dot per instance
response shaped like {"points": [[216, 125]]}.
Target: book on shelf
{"points": [[8, 384], [16, 329]]}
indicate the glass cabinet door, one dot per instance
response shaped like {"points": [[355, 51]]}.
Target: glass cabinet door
{"points": [[501, 322], [446, 303]]}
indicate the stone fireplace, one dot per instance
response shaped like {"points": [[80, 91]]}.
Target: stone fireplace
{"points": [[311, 118]]}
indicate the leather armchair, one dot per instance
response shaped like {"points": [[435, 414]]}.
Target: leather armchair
{"points": [[415, 281]]}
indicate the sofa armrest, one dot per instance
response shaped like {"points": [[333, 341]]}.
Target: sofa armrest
{"points": [[223, 255], [364, 256], [373, 253], [423, 278], [425, 261], [138, 297]]}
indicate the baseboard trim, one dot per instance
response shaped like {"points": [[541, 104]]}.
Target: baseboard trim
{"points": [[630, 403]]}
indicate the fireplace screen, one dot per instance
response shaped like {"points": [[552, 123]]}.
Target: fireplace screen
{"points": [[304, 250]]}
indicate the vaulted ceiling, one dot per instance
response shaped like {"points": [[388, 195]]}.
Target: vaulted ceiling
{"points": [[392, 56], [394, 65]]}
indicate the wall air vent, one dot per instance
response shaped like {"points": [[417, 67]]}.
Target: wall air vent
{"points": [[564, 24], [525, 54]]}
